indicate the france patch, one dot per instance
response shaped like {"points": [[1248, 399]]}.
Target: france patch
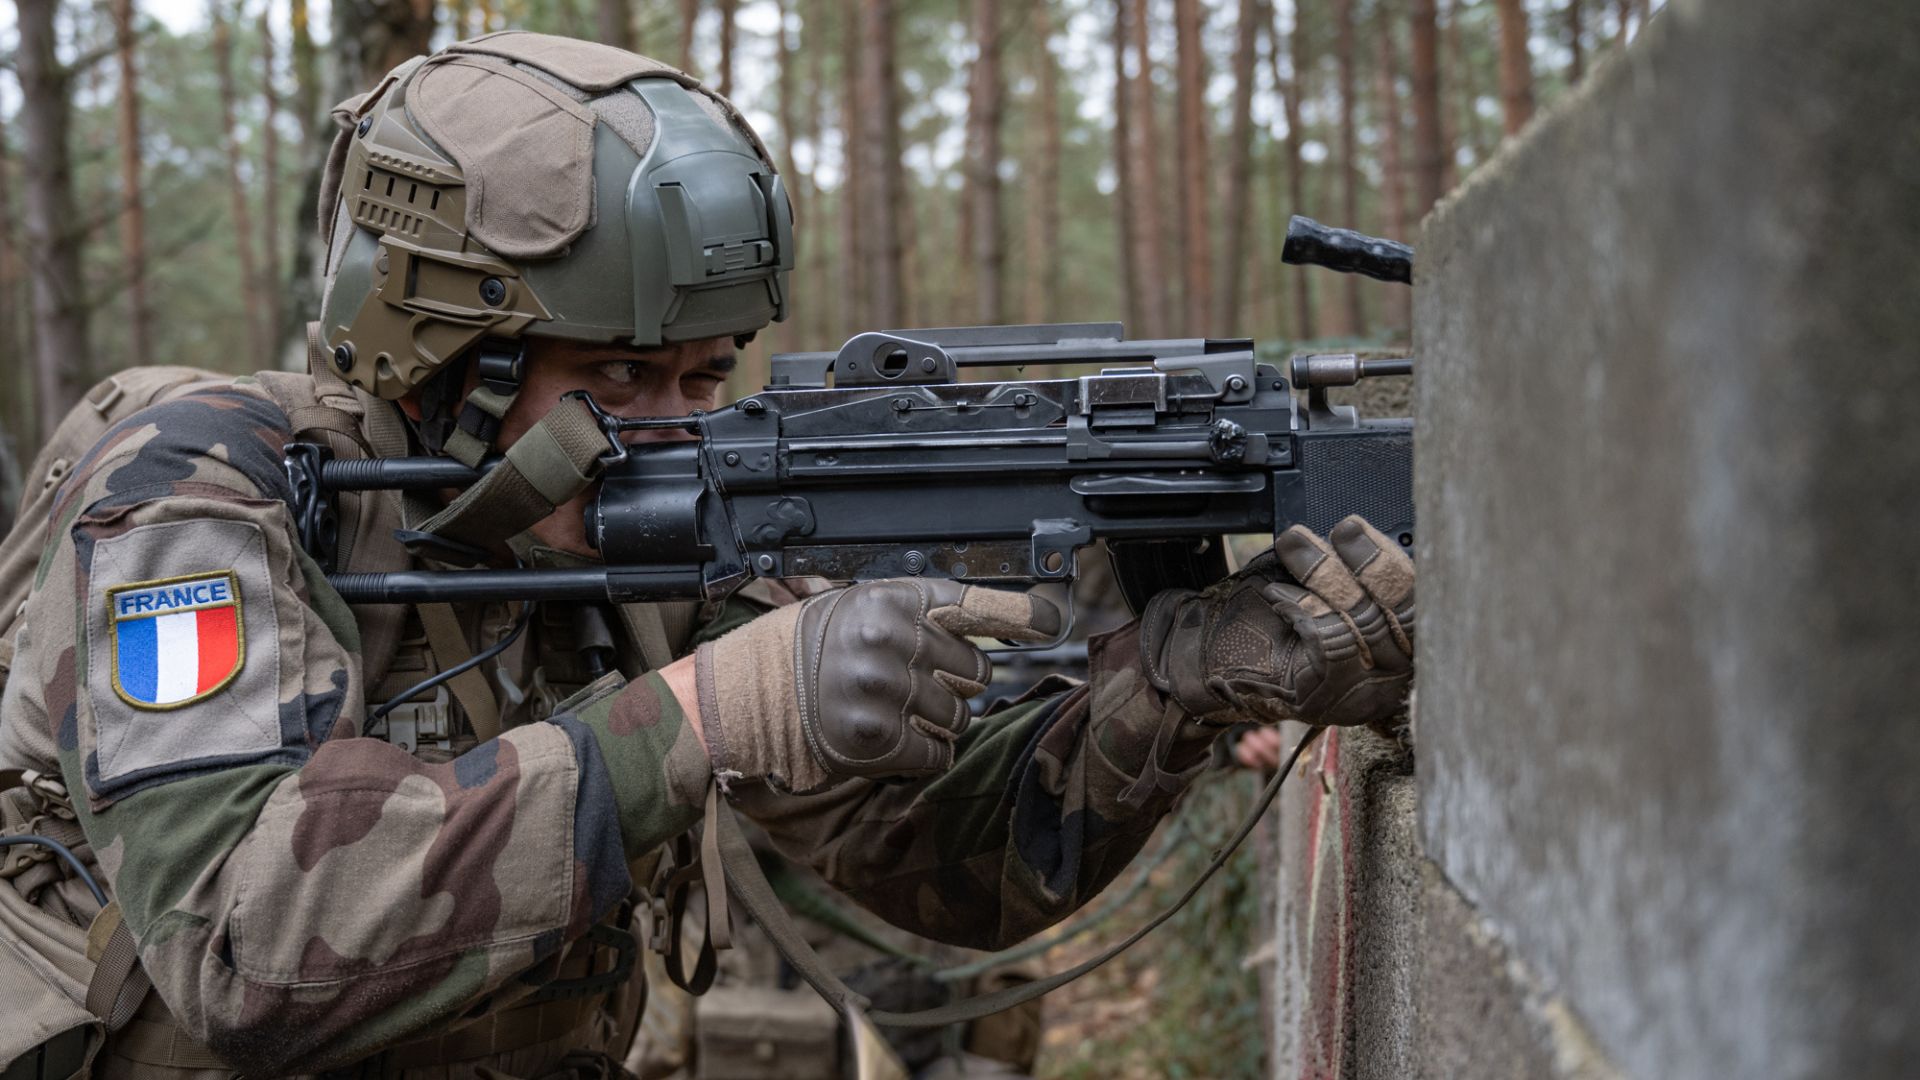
{"points": [[177, 640]]}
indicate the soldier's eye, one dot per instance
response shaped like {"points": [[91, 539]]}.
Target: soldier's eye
{"points": [[624, 371]]}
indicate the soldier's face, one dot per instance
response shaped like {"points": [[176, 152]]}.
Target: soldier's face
{"points": [[672, 380]]}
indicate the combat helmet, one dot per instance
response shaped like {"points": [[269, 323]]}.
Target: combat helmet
{"points": [[522, 184]]}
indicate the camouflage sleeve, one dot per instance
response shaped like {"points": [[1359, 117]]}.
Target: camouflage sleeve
{"points": [[302, 896], [1049, 798]]}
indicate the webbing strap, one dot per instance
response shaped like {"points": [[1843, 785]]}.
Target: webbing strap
{"points": [[468, 447], [118, 984], [450, 650], [648, 626], [751, 888], [713, 879], [545, 467]]}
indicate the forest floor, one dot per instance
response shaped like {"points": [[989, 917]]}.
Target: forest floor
{"points": [[1182, 1003]]}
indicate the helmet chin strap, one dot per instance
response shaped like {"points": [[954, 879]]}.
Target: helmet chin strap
{"points": [[555, 460], [502, 365]]}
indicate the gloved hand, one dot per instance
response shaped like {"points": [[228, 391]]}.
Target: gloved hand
{"points": [[871, 680], [1310, 631]]}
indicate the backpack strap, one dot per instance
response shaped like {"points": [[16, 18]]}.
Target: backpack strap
{"points": [[118, 985]]}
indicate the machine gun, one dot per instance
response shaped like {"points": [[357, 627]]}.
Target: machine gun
{"points": [[876, 460]]}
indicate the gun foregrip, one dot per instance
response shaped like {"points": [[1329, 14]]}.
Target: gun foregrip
{"points": [[1310, 243]]}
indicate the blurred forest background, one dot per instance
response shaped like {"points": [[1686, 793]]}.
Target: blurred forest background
{"points": [[950, 163], [998, 161]]}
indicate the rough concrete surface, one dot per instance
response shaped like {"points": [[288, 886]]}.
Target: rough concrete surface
{"points": [[1480, 1013], [1383, 970], [1668, 485]]}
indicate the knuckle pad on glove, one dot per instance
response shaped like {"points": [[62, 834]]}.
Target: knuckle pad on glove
{"points": [[863, 735]]}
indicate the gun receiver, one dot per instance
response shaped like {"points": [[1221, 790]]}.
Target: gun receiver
{"points": [[877, 461]]}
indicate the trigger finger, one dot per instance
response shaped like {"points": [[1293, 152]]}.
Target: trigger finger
{"points": [[1013, 616]]}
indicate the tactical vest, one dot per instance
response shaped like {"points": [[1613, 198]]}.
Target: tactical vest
{"points": [[78, 1003]]}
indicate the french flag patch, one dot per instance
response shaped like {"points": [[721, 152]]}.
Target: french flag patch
{"points": [[177, 640]]}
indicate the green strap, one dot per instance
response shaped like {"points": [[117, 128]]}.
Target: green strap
{"points": [[750, 887], [550, 464], [118, 985], [468, 448]]}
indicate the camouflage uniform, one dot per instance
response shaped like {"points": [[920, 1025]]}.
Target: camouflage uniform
{"points": [[304, 897], [437, 892]]}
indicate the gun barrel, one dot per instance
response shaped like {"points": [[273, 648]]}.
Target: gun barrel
{"points": [[1310, 243]]}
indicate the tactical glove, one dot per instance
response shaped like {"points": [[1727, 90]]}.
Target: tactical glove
{"points": [[866, 681], [1310, 631]]}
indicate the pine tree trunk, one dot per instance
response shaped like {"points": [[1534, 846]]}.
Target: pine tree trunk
{"points": [[1466, 78], [306, 79], [1354, 311], [1576, 43], [1232, 285], [1153, 266], [1043, 198], [728, 10], [815, 42], [1516, 66], [855, 313], [16, 380], [368, 39], [1392, 164], [1624, 9], [270, 206], [988, 235], [1126, 194], [1291, 92], [1429, 144], [880, 161], [61, 346], [133, 213], [1196, 246], [914, 307], [237, 192], [789, 131], [372, 37], [614, 22], [689, 15]]}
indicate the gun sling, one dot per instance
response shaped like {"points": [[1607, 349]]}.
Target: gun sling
{"points": [[750, 887]]}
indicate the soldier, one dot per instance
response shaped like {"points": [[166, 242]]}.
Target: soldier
{"points": [[390, 840]]}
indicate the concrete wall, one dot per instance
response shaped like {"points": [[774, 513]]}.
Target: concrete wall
{"points": [[1665, 765]]}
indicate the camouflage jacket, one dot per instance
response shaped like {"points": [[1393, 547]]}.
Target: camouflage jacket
{"points": [[303, 896]]}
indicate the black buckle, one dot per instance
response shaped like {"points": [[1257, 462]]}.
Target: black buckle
{"points": [[314, 516], [626, 953], [502, 364]]}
